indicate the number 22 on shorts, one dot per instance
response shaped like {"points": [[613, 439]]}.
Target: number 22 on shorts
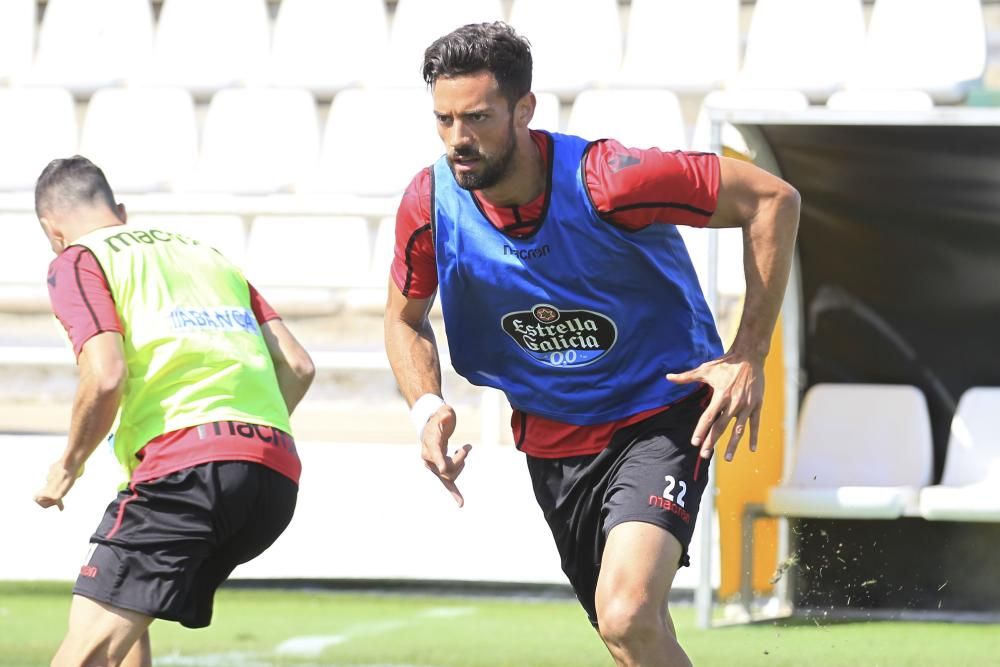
{"points": [[668, 492]]}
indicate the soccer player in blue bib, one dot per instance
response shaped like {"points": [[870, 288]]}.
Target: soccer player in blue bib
{"points": [[565, 284]]}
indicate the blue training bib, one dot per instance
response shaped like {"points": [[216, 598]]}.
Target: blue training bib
{"points": [[579, 322]]}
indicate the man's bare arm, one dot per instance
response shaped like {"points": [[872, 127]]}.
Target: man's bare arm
{"points": [[103, 375], [413, 356], [292, 364], [767, 210]]}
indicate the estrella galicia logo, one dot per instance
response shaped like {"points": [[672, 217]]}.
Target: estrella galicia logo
{"points": [[564, 338]]}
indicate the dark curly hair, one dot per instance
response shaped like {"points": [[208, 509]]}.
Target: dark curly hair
{"points": [[475, 47]]}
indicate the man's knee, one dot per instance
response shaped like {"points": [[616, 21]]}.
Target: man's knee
{"points": [[623, 620]]}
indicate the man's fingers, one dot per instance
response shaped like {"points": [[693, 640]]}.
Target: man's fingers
{"points": [[47, 502], [705, 422], [458, 458], [754, 429], [685, 377], [453, 490], [737, 435]]}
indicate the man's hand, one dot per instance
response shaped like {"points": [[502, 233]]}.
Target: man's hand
{"points": [[737, 384], [438, 429], [58, 484]]}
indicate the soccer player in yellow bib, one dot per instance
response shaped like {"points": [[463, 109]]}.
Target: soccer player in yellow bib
{"points": [[204, 373]]}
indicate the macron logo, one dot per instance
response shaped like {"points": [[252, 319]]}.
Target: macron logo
{"points": [[620, 161]]}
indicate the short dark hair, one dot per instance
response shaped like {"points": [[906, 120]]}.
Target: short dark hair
{"points": [[475, 47], [69, 182]]}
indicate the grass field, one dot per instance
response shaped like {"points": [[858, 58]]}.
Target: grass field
{"points": [[261, 628]]}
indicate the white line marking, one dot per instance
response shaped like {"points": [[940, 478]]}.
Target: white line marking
{"points": [[227, 659], [447, 612]]}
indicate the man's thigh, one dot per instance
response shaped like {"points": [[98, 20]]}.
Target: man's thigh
{"points": [[99, 633]]}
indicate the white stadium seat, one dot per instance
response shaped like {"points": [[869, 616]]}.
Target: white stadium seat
{"points": [[37, 125], [327, 45], [376, 141], [25, 256], [575, 44], [207, 45], [17, 38], [84, 45], [547, 112], [383, 250], [637, 118], [970, 486], [302, 260], [863, 451], [225, 233], [810, 46], [937, 46], [417, 23], [681, 45], [145, 139], [258, 141], [729, 259]]}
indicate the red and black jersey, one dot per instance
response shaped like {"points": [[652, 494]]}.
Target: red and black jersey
{"points": [[630, 188]]}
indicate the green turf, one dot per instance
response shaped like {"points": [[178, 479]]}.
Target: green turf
{"points": [[424, 631]]}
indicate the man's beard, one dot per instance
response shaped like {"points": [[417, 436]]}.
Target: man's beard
{"points": [[492, 168]]}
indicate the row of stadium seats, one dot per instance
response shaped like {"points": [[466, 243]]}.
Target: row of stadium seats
{"points": [[853, 462], [302, 261], [306, 263], [267, 140], [938, 46]]}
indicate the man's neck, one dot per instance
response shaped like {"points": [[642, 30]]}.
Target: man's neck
{"points": [[85, 225], [525, 178]]}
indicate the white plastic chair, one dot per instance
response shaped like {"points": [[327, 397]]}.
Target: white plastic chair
{"points": [[938, 46], [258, 141], [863, 452], [376, 141], [327, 45], [663, 35], [729, 259], [84, 45], [225, 233], [970, 486], [207, 45], [25, 253], [383, 251], [575, 44], [417, 23], [145, 139], [805, 45], [636, 118], [301, 262], [548, 112], [37, 125], [17, 38]]}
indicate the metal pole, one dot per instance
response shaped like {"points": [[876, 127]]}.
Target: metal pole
{"points": [[704, 594]]}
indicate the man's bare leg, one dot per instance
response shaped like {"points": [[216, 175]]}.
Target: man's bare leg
{"points": [[100, 635], [637, 571]]}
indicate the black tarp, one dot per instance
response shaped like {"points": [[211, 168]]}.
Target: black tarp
{"points": [[899, 250]]}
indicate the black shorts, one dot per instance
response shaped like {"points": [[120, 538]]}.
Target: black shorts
{"points": [[647, 473], [165, 546]]}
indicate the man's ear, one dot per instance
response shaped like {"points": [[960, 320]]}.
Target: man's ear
{"points": [[55, 235], [121, 213], [524, 110]]}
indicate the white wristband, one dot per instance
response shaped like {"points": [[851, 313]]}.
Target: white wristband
{"points": [[422, 409]]}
